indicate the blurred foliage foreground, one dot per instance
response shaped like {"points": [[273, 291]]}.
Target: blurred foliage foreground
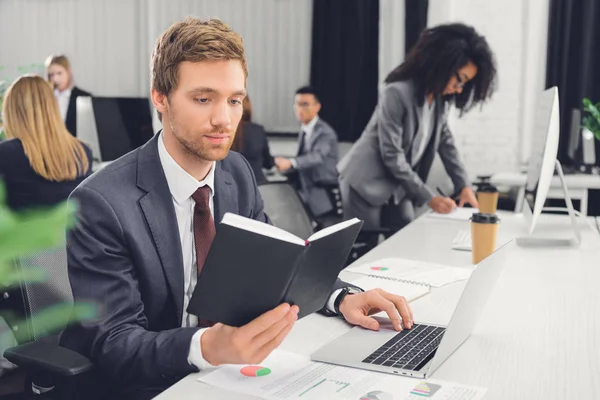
{"points": [[24, 234]]}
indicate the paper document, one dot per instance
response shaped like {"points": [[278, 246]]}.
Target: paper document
{"points": [[413, 272], [289, 376], [410, 292], [458, 214]]}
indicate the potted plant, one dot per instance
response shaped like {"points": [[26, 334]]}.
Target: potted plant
{"points": [[591, 121]]}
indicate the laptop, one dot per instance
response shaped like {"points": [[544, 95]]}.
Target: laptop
{"points": [[420, 351]]}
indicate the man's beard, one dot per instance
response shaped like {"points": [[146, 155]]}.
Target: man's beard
{"points": [[195, 150]]}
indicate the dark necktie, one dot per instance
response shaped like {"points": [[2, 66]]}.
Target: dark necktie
{"points": [[204, 233], [302, 148]]}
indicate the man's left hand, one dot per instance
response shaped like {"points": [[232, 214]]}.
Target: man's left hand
{"points": [[468, 197], [282, 164], [358, 308]]}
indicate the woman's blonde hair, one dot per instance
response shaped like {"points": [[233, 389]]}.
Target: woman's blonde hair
{"points": [[61, 60], [31, 114]]}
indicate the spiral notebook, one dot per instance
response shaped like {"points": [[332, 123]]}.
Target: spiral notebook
{"points": [[413, 272]]}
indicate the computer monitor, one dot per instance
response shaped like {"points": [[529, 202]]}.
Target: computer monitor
{"points": [[542, 163], [113, 126]]}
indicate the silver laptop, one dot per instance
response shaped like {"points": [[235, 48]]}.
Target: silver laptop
{"points": [[420, 351]]}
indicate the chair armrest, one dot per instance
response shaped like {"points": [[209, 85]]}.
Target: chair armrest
{"points": [[38, 356]]}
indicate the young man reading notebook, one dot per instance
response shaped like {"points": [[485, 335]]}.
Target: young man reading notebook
{"points": [[147, 222]]}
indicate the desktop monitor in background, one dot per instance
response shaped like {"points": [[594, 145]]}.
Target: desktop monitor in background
{"points": [[122, 124], [113, 126], [542, 163]]}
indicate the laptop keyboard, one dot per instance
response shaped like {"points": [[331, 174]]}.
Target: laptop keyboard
{"points": [[409, 349]]}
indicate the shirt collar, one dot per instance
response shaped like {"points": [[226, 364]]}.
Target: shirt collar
{"points": [[181, 184], [310, 127], [64, 93]]}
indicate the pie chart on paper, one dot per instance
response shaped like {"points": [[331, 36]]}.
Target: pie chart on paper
{"points": [[255, 371], [377, 395], [379, 268]]}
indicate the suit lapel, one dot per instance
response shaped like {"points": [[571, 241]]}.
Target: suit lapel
{"points": [[157, 207], [317, 131], [225, 197]]}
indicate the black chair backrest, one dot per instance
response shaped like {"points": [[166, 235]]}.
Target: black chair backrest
{"points": [[285, 208], [52, 290]]}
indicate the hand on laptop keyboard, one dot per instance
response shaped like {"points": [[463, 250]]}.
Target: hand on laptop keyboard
{"points": [[357, 309]]}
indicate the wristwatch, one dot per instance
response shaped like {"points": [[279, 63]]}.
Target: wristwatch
{"points": [[345, 291]]}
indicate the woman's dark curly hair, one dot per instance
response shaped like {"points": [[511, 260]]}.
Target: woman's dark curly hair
{"points": [[438, 55]]}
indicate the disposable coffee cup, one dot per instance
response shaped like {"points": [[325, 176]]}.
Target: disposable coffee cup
{"points": [[487, 196], [484, 232]]}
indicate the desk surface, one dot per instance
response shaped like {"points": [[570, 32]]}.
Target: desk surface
{"points": [[538, 338]]}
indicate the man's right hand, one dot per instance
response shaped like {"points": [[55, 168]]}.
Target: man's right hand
{"points": [[442, 205], [251, 343]]}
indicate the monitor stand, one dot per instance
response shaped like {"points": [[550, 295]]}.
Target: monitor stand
{"points": [[537, 241]]}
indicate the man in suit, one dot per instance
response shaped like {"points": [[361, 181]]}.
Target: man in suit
{"points": [[146, 223], [315, 163], [383, 177]]}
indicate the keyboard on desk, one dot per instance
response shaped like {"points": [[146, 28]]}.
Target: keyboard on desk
{"points": [[462, 241], [410, 349]]}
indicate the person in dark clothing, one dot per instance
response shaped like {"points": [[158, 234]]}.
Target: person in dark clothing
{"points": [[251, 141], [60, 76], [40, 163]]}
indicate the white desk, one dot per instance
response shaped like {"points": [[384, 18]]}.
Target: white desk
{"points": [[538, 338], [578, 185]]}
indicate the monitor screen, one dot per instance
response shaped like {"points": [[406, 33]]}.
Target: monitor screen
{"points": [[123, 124]]}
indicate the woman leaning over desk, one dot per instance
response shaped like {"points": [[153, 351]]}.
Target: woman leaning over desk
{"points": [[382, 178]]}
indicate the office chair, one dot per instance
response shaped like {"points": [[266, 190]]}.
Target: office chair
{"points": [[47, 365], [285, 208], [287, 211]]}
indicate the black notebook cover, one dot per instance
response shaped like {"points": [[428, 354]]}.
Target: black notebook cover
{"points": [[247, 274]]}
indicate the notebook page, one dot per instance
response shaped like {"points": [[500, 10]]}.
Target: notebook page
{"points": [[332, 229], [419, 272], [261, 228], [458, 214]]}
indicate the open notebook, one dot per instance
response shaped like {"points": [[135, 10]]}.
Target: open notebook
{"points": [[413, 272]]}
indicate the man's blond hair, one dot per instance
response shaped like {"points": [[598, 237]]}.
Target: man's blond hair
{"points": [[193, 40]]}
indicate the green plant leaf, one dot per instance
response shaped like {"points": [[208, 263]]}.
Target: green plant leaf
{"points": [[55, 318], [28, 232]]}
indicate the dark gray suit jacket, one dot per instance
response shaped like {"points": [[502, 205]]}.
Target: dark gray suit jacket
{"points": [[317, 166], [125, 255], [380, 162]]}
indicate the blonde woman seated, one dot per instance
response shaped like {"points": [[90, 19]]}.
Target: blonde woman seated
{"points": [[42, 162]]}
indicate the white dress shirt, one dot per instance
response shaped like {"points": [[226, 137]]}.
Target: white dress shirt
{"points": [[425, 130], [63, 99], [182, 185]]}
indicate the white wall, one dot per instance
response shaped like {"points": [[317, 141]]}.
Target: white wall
{"points": [[497, 138], [391, 35], [101, 38], [109, 43]]}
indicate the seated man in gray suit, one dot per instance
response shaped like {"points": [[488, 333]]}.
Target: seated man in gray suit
{"points": [[382, 178], [315, 164], [146, 223]]}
